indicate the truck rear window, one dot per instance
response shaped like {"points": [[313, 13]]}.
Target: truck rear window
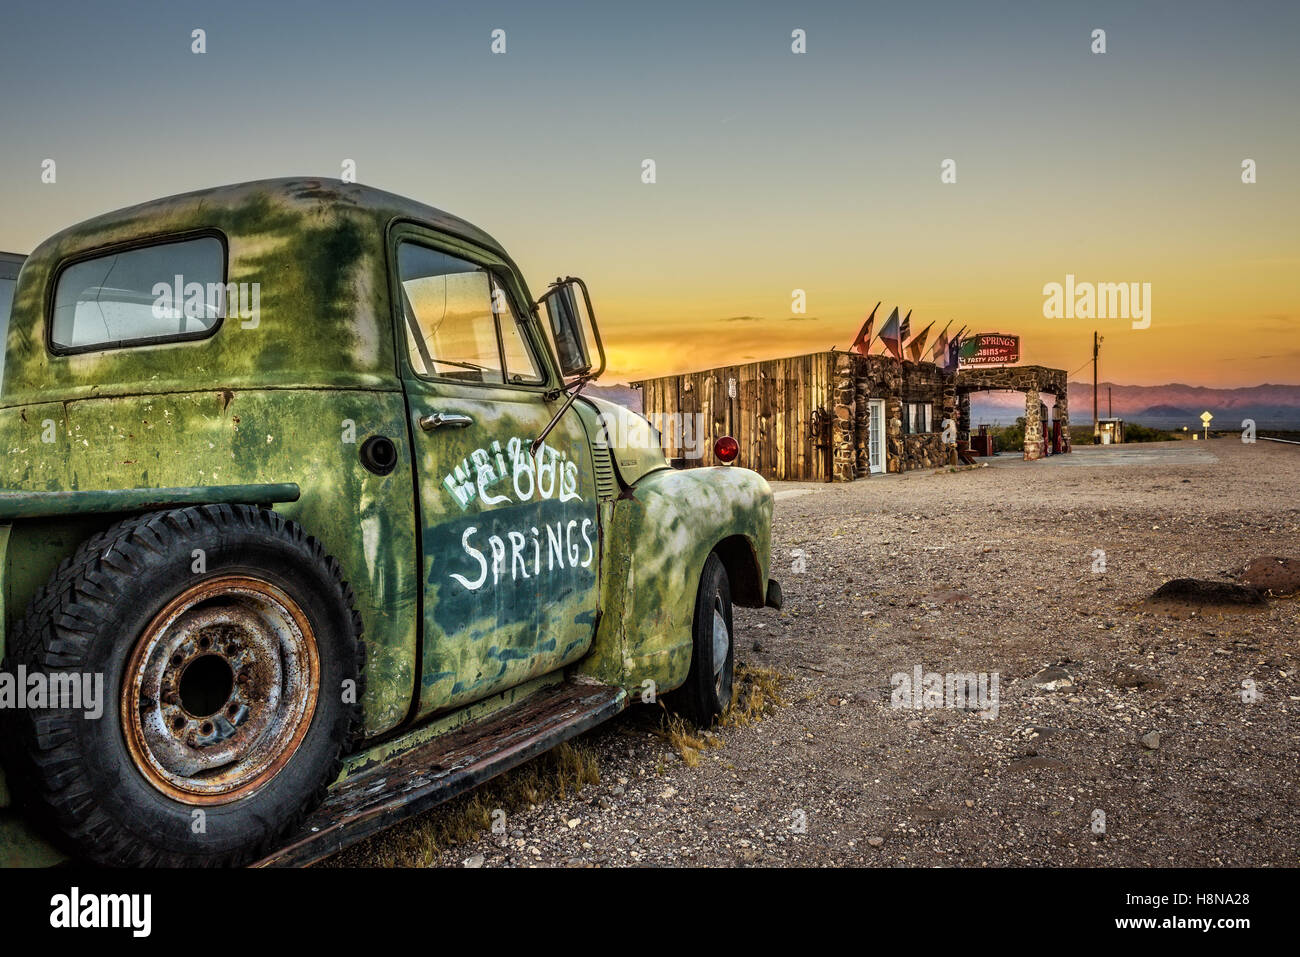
{"points": [[6, 304], [169, 291]]}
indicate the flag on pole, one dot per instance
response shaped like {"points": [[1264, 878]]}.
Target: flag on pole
{"points": [[889, 335], [905, 330], [954, 351], [863, 341], [940, 350], [917, 345]]}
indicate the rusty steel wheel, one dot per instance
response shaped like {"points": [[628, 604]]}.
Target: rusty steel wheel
{"points": [[220, 690], [229, 695]]}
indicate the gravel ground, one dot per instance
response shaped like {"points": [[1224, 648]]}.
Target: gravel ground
{"points": [[1105, 704]]}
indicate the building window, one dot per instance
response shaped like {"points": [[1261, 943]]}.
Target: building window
{"points": [[916, 418]]}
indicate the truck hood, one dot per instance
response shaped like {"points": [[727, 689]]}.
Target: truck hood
{"points": [[635, 444]]}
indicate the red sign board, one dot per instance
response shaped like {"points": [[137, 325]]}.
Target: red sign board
{"points": [[989, 349]]}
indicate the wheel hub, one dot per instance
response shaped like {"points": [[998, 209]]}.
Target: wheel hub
{"points": [[721, 644], [220, 690]]}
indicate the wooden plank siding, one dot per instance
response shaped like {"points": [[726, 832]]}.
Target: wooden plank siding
{"points": [[770, 414]]}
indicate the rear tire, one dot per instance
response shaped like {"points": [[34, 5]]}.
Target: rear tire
{"points": [[230, 657], [706, 695]]}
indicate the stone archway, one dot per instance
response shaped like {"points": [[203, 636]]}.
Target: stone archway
{"points": [[1031, 380]]}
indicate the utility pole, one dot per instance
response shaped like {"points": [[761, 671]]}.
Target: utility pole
{"points": [[1110, 409], [1096, 427]]}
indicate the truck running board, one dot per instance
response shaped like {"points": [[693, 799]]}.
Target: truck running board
{"points": [[448, 765]]}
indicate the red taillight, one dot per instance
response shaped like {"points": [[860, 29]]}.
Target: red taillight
{"points": [[726, 449]]}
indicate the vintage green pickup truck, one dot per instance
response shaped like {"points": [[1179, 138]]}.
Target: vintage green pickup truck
{"points": [[305, 526]]}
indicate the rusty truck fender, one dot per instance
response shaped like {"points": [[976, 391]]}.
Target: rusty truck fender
{"points": [[655, 538]]}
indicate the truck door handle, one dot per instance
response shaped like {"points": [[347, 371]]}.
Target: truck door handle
{"points": [[438, 420]]}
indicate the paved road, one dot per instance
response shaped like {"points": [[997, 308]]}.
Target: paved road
{"points": [[1141, 453], [1146, 453]]}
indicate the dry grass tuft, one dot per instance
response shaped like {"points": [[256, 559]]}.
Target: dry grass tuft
{"points": [[563, 771], [755, 694], [688, 741]]}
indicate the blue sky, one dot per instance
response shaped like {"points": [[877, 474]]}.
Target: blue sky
{"points": [[775, 171]]}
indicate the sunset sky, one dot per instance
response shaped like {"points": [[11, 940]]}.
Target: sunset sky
{"points": [[775, 171]]}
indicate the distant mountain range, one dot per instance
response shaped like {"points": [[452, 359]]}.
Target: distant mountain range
{"points": [[1161, 406], [616, 392], [1168, 412]]}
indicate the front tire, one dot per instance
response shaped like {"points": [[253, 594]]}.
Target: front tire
{"points": [[229, 654], [706, 695]]}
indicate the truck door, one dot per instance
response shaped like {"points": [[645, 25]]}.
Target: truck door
{"points": [[509, 541]]}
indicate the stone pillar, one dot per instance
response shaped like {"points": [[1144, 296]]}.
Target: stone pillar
{"points": [[1063, 416], [844, 421], [949, 403], [893, 434], [948, 446], [963, 417], [862, 429], [1033, 426]]}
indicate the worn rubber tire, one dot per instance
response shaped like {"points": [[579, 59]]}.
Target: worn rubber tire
{"points": [[698, 700], [87, 619], [22, 647]]}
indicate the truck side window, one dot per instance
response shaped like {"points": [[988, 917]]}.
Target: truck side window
{"points": [[521, 367], [168, 291], [6, 302], [449, 310]]}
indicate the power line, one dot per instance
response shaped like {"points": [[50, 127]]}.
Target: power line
{"points": [[1084, 366]]}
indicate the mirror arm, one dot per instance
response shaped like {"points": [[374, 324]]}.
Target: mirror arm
{"points": [[595, 328], [555, 419], [582, 380]]}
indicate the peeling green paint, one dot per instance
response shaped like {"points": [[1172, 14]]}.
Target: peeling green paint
{"points": [[233, 438]]}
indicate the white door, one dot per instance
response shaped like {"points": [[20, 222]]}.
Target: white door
{"points": [[876, 436]]}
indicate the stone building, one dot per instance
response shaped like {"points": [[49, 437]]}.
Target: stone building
{"points": [[831, 416], [1031, 380]]}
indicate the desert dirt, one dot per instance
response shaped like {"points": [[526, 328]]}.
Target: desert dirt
{"points": [[1175, 722]]}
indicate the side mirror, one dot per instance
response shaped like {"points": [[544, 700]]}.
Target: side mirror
{"points": [[568, 316], [564, 311]]}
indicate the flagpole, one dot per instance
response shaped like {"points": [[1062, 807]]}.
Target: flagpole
{"points": [[943, 337], [867, 327], [902, 414], [866, 348], [902, 405]]}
